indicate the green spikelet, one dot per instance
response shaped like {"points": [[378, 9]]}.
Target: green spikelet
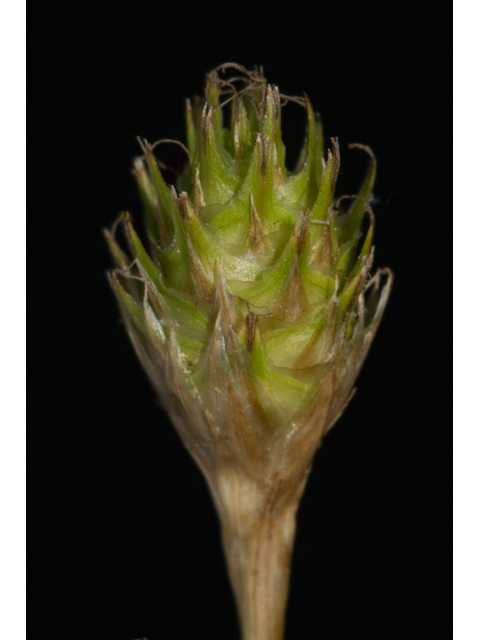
{"points": [[251, 308]]}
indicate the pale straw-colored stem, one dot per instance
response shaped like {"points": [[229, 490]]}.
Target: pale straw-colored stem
{"points": [[258, 529]]}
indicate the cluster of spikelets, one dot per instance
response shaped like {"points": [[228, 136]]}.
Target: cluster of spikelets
{"points": [[252, 307]]}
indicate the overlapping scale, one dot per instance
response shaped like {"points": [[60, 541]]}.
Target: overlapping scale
{"points": [[254, 275]]}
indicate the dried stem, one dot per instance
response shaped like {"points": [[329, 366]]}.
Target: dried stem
{"points": [[258, 530]]}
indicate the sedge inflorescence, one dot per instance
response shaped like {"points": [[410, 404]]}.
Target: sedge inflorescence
{"points": [[251, 305]]}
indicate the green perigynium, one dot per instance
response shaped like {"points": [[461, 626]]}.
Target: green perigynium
{"points": [[251, 308]]}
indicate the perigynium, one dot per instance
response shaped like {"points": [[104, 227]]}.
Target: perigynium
{"points": [[251, 309]]}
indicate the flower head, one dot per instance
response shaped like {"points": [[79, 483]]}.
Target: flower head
{"points": [[251, 306]]}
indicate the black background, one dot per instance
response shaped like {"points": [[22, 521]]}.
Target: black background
{"points": [[124, 541]]}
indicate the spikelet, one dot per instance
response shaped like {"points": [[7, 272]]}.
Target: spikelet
{"points": [[251, 310]]}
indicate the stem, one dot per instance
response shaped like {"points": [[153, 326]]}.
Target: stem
{"points": [[258, 529]]}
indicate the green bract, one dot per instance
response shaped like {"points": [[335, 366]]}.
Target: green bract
{"points": [[247, 305]]}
